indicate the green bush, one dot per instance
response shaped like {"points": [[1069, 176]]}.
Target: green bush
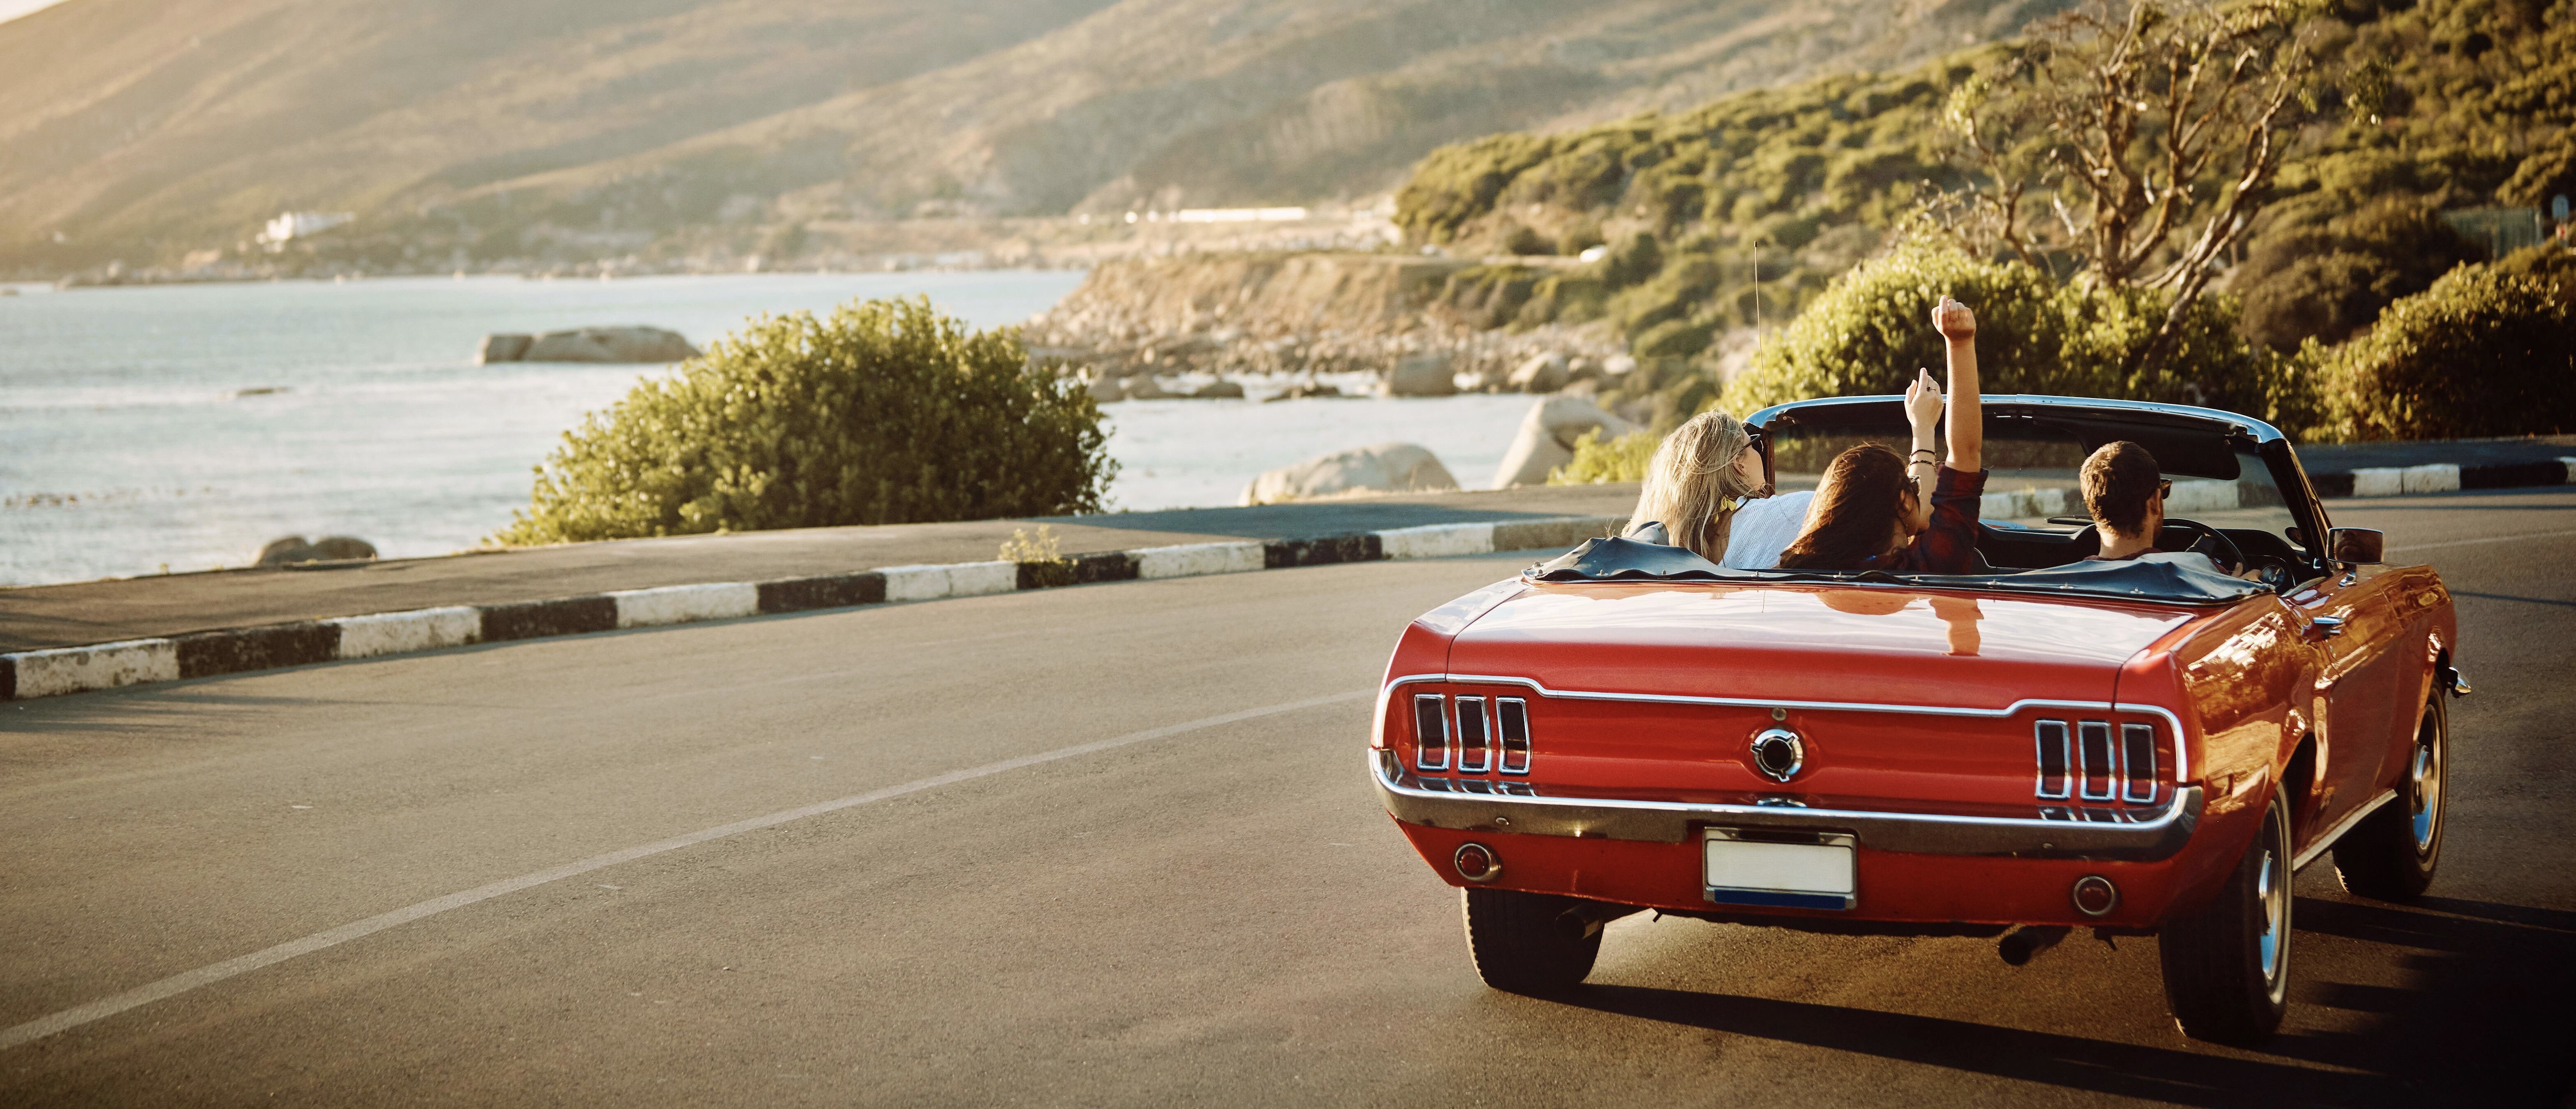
{"points": [[883, 413], [1871, 328], [2330, 281], [2488, 350], [1597, 460]]}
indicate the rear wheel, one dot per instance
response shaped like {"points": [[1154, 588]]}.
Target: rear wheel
{"points": [[2391, 855], [1525, 943], [2227, 967]]}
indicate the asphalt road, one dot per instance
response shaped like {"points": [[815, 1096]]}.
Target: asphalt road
{"points": [[1107, 845]]}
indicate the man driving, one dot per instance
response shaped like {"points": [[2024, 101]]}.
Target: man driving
{"points": [[2125, 492]]}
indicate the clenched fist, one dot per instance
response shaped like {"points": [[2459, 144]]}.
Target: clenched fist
{"points": [[1954, 321]]}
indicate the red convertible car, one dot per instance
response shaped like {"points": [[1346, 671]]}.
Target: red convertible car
{"points": [[2142, 747]]}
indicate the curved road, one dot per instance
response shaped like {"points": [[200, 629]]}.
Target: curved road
{"points": [[1107, 845]]}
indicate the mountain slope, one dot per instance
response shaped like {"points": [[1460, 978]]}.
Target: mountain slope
{"points": [[483, 127], [135, 120]]}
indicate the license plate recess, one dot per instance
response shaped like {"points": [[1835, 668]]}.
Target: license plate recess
{"points": [[1787, 870]]}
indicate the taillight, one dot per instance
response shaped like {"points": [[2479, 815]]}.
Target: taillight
{"points": [[2081, 760], [1475, 752], [1513, 714], [1476, 734], [1430, 732]]}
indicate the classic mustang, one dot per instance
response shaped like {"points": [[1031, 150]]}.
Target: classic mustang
{"points": [[2141, 747]]}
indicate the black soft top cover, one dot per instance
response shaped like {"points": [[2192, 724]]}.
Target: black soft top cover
{"points": [[2188, 579]]}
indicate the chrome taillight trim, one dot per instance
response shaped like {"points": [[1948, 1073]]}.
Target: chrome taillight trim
{"points": [[2138, 763], [1511, 719], [1476, 743], [2098, 764], [1430, 715], [2092, 762], [2062, 746]]}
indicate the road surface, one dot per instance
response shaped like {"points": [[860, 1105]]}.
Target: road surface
{"points": [[1105, 846]]}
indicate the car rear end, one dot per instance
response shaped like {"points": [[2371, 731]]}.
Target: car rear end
{"points": [[1902, 760]]}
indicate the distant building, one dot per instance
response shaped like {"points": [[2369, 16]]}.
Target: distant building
{"points": [[297, 225]]}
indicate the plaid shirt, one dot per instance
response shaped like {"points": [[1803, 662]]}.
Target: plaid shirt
{"points": [[1949, 545]]}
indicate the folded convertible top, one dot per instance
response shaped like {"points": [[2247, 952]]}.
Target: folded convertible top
{"points": [[2189, 579]]}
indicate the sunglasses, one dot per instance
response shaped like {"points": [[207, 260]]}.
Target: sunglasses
{"points": [[2164, 489]]}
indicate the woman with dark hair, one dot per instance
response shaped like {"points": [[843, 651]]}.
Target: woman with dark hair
{"points": [[1878, 510]]}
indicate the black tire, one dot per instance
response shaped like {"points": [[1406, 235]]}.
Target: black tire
{"points": [[2391, 855], [2225, 982], [1522, 942]]}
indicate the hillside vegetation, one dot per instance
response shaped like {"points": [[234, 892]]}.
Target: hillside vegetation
{"points": [[461, 132], [2418, 110]]}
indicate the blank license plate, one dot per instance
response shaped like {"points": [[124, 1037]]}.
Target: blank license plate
{"points": [[1786, 875]]}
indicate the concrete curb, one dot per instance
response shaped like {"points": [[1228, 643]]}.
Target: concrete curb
{"points": [[2442, 477], [56, 671]]}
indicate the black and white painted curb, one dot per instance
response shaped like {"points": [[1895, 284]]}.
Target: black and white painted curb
{"points": [[62, 670], [2443, 477]]}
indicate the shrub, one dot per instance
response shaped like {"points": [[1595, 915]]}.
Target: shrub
{"points": [[883, 413], [2488, 350], [1597, 460], [2329, 282], [1870, 329]]}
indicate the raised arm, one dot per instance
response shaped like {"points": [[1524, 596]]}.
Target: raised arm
{"points": [[1958, 328]]}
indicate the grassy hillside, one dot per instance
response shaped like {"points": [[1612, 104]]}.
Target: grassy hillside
{"points": [[473, 129], [2425, 108]]}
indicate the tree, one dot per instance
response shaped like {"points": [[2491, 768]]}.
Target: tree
{"points": [[2132, 146]]}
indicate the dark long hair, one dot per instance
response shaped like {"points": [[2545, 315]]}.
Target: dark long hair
{"points": [[1855, 511]]}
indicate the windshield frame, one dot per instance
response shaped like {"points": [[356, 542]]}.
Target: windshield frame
{"points": [[2227, 431]]}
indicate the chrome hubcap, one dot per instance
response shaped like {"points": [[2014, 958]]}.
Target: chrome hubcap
{"points": [[2272, 885], [2424, 791]]}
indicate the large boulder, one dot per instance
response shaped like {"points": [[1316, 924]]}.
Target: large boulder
{"points": [[1144, 387], [1540, 373], [1220, 389], [1546, 438], [1422, 375], [503, 347], [1379, 468], [1106, 390], [609, 344]]}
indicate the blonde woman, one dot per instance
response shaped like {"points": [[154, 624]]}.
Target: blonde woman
{"points": [[1700, 477]]}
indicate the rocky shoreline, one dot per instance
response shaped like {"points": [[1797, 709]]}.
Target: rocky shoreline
{"points": [[1135, 322]]}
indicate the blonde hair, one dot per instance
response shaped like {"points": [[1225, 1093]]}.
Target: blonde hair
{"points": [[1691, 483]]}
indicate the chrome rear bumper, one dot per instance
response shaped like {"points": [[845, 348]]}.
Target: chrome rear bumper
{"points": [[2140, 835]]}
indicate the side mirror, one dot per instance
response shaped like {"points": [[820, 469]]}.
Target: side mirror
{"points": [[2356, 546]]}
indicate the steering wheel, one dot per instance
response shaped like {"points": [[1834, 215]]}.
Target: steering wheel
{"points": [[2229, 559]]}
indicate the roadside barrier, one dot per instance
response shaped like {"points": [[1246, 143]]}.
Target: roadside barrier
{"points": [[48, 673], [56, 671]]}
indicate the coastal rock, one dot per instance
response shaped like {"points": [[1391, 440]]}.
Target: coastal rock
{"points": [[1378, 468], [1421, 375], [1547, 435], [1144, 387], [1542, 373], [1106, 390], [336, 548], [609, 344], [1306, 390], [1219, 389], [503, 347]]}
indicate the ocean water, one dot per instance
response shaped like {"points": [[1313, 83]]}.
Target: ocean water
{"points": [[176, 428]]}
